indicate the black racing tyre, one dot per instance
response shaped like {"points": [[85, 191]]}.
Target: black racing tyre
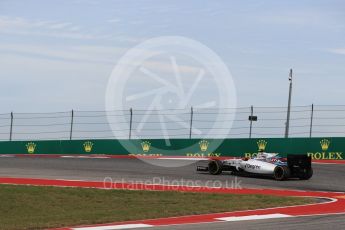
{"points": [[281, 173], [306, 175], [215, 167]]}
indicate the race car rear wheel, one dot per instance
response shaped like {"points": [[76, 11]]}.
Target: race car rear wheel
{"points": [[215, 167], [281, 173], [306, 175]]}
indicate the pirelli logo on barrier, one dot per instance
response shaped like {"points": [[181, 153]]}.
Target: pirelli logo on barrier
{"points": [[324, 154]]}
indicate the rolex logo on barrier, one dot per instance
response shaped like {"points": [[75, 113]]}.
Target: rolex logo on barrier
{"points": [[325, 154], [146, 145], [262, 145], [325, 144], [203, 145], [88, 146], [204, 150], [31, 147]]}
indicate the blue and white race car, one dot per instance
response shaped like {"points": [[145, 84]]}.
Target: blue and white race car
{"points": [[268, 164]]}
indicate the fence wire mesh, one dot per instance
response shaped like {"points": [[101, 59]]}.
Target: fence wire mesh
{"points": [[306, 121]]}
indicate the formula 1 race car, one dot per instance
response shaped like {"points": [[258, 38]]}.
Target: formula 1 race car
{"points": [[268, 164]]}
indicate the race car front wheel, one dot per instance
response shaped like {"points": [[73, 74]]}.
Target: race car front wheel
{"points": [[281, 173], [215, 167]]}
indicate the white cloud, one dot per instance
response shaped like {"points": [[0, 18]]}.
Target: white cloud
{"points": [[51, 85], [337, 51], [97, 54], [114, 20], [302, 17], [58, 29], [82, 53], [63, 25]]}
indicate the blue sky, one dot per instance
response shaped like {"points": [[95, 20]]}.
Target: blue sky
{"points": [[59, 55]]}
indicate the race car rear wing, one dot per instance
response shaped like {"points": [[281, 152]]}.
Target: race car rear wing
{"points": [[298, 163], [302, 161]]}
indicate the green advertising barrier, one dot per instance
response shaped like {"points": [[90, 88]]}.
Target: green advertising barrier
{"points": [[319, 148]]}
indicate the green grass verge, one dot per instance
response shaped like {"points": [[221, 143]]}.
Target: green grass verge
{"points": [[30, 207]]}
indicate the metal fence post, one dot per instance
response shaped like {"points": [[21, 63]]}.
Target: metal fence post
{"points": [[11, 127], [191, 123], [287, 127], [71, 130], [251, 121], [130, 123], [311, 120]]}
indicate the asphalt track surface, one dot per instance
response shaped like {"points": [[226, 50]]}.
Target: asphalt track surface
{"points": [[333, 222], [327, 177], [330, 177]]}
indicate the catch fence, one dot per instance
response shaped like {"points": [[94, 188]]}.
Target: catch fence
{"points": [[305, 121]]}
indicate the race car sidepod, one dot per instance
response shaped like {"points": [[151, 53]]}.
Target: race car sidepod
{"points": [[296, 166]]}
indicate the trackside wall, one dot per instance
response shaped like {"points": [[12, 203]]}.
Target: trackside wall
{"points": [[331, 148]]}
